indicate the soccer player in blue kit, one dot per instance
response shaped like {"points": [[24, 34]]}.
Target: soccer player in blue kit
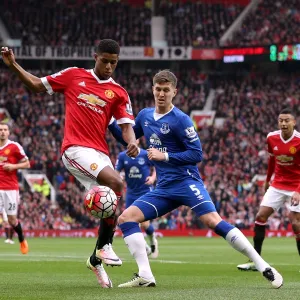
{"points": [[175, 149], [139, 182]]}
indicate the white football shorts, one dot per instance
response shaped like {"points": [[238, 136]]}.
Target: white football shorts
{"points": [[277, 198], [9, 201], [85, 164]]}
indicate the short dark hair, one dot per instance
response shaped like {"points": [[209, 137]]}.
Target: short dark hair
{"points": [[165, 76], [108, 46], [287, 111]]}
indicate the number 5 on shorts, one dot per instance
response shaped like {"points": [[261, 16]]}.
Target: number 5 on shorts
{"points": [[195, 189]]}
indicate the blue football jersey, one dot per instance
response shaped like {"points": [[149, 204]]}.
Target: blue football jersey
{"points": [[136, 171], [175, 134]]}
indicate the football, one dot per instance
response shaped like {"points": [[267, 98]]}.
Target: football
{"points": [[101, 202]]}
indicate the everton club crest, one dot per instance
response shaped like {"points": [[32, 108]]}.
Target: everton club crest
{"points": [[165, 128]]}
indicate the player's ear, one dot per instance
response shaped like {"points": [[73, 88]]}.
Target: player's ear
{"points": [[95, 56], [175, 92]]}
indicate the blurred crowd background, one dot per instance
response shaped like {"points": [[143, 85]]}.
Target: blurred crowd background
{"points": [[247, 98]]}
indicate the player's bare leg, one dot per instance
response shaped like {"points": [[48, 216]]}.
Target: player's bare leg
{"points": [[16, 225], [240, 243], [259, 235], [295, 221], [103, 250]]}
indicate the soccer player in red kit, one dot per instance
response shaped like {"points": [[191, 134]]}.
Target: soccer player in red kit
{"points": [[284, 188], [92, 98], [12, 158]]}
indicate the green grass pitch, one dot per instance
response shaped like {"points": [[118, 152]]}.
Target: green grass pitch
{"points": [[187, 268]]}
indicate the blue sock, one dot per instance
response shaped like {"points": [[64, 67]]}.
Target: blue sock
{"points": [[129, 228], [223, 228], [150, 230]]}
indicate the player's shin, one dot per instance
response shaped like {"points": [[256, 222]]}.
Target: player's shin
{"points": [[18, 229], [6, 229], [135, 241], [240, 243], [259, 236]]}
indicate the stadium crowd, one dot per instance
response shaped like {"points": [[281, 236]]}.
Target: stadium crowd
{"points": [[188, 23], [272, 22], [197, 24], [233, 153], [76, 23]]}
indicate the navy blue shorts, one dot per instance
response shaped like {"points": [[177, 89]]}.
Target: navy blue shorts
{"points": [[160, 201]]}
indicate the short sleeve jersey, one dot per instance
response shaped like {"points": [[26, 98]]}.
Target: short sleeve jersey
{"points": [[10, 153], [90, 103]]}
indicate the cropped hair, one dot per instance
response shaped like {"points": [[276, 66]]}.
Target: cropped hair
{"points": [[287, 111], [165, 76], [108, 46]]}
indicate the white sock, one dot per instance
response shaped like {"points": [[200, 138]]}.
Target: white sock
{"points": [[240, 243], [137, 247]]}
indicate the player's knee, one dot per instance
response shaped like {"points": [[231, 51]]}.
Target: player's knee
{"points": [[123, 218], [295, 225], [131, 214], [12, 220], [261, 217]]}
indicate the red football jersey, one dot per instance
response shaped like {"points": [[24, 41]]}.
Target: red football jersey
{"points": [[287, 160], [90, 104], [10, 153]]}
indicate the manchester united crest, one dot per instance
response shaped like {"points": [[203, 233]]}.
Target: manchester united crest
{"points": [[7, 151], [109, 94], [293, 150], [94, 166]]}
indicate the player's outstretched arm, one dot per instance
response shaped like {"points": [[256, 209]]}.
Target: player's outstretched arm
{"points": [[32, 82]]}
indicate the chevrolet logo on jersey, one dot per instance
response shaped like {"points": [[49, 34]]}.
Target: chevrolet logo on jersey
{"points": [[284, 158], [92, 99], [3, 158]]}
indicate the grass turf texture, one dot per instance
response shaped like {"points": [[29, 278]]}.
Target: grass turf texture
{"points": [[187, 268]]}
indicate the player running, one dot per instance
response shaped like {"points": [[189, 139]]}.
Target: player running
{"points": [[92, 97], [139, 181], [12, 158], [175, 149], [284, 188]]}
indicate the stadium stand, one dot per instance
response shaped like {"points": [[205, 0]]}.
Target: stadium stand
{"points": [[197, 24], [76, 23], [271, 23]]}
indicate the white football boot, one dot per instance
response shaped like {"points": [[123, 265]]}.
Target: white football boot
{"points": [[249, 266], [101, 275], [108, 256], [138, 281]]}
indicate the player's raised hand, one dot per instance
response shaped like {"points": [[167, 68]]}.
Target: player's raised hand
{"points": [[8, 56], [155, 154], [132, 150], [295, 200]]}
